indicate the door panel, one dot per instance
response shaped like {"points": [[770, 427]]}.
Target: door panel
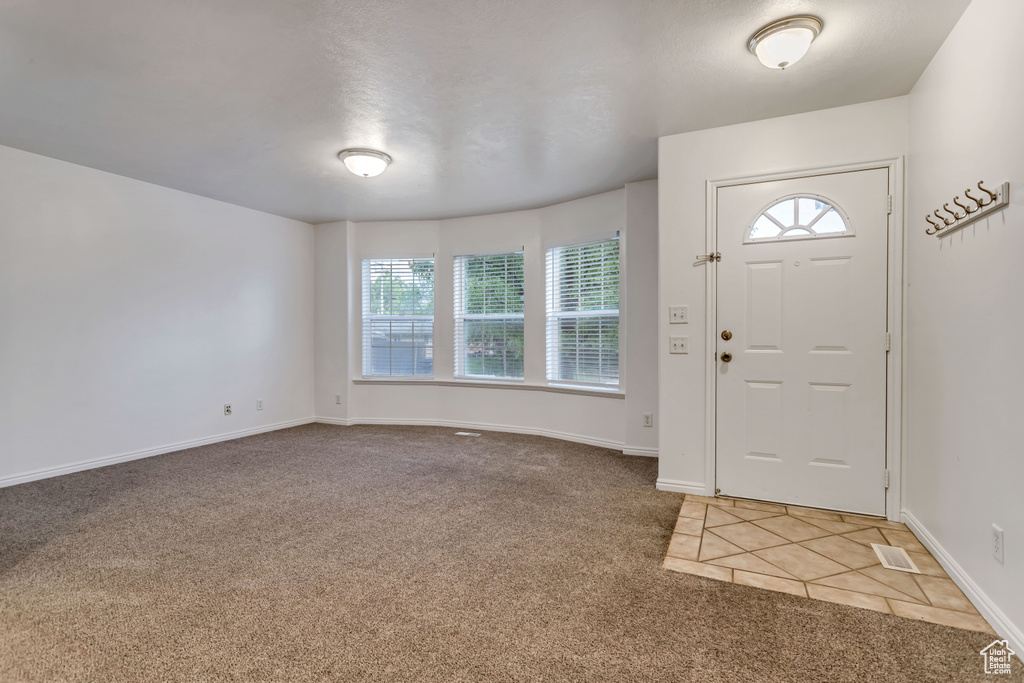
{"points": [[801, 407], [764, 314]]}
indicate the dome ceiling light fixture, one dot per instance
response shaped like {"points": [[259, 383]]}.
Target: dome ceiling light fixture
{"points": [[365, 162], [784, 42]]}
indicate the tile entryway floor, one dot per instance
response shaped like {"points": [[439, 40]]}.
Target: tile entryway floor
{"points": [[816, 554]]}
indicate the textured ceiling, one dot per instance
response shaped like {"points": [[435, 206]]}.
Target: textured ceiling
{"points": [[485, 105]]}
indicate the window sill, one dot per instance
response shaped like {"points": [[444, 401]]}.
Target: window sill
{"points": [[516, 385]]}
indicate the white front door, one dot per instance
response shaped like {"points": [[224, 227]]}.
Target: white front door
{"points": [[802, 288]]}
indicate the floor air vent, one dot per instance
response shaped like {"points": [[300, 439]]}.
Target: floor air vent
{"points": [[467, 433], [895, 558]]}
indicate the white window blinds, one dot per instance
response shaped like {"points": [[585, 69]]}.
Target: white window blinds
{"points": [[398, 317], [583, 313], [489, 316]]}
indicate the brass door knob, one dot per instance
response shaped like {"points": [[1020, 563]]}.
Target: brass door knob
{"points": [[726, 335], [726, 357]]}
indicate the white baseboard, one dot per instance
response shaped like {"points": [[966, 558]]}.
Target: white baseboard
{"points": [[333, 421], [693, 487], [47, 472], [995, 616], [487, 427]]}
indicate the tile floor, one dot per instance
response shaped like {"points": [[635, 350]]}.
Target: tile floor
{"points": [[816, 554]]}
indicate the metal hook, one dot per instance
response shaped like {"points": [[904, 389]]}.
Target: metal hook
{"points": [[942, 218], [991, 194], [977, 205], [969, 212], [935, 226], [954, 214], [976, 200]]}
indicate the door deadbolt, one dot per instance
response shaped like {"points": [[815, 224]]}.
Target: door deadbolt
{"points": [[726, 357], [726, 335]]}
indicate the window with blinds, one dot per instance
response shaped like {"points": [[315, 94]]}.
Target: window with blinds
{"points": [[583, 313], [398, 317], [489, 316]]}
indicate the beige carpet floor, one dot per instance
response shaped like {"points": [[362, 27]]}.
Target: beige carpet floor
{"points": [[325, 553]]}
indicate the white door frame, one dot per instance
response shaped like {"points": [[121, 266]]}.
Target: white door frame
{"points": [[894, 407]]}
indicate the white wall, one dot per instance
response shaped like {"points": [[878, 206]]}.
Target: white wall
{"points": [[845, 135], [331, 324], [601, 419], [130, 313], [964, 375], [641, 316]]}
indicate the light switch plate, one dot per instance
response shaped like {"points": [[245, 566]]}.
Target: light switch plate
{"points": [[678, 345], [678, 314]]}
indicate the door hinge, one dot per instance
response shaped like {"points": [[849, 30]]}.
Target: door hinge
{"points": [[888, 204], [888, 341], [887, 479], [710, 258]]}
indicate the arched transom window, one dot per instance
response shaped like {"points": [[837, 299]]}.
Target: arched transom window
{"points": [[799, 217]]}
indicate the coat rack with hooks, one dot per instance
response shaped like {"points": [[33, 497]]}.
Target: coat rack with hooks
{"points": [[975, 207]]}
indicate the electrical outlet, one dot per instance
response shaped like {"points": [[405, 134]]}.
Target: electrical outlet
{"points": [[259, 404], [648, 419], [678, 345], [997, 543], [679, 314], [337, 399], [227, 408]]}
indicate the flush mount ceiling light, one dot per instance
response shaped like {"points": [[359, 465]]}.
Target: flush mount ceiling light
{"points": [[365, 162], [784, 42]]}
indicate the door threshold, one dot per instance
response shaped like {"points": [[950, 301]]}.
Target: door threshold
{"points": [[717, 500]]}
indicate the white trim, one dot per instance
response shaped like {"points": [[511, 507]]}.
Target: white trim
{"points": [[710, 344], [585, 386], [896, 297], [48, 472], [45, 473], [595, 238], [476, 426], [807, 172], [487, 379], [895, 408], [521, 249], [395, 379], [511, 384], [645, 452], [681, 486], [993, 615], [390, 256], [341, 421]]}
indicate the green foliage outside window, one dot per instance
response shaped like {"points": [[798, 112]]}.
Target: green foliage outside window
{"points": [[394, 292], [583, 315], [398, 312], [490, 320]]}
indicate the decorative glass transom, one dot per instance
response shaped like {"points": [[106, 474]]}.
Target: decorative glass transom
{"points": [[799, 217]]}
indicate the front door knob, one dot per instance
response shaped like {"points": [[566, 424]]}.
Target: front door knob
{"points": [[726, 335], [726, 357]]}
